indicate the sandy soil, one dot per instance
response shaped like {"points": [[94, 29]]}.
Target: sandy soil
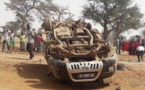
{"points": [[17, 73]]}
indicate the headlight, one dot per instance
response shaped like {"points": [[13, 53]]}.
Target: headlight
{"points": [[111, 68]]}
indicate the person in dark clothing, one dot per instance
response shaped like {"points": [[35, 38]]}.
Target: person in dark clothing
{"points": [[35, 43], [119, 45], [138, 37], [30, 42], [143, 43]]}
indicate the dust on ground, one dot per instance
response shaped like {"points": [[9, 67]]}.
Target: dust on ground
{"points": [[17, 73]]}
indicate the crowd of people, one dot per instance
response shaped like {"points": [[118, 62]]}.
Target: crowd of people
{"points": [[34, 42], [135, 47]]}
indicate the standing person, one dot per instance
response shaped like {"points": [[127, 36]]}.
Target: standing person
{"points": [[40, 43], [0, 37], [140, 49], [143, 43], [30, 42], [35, 42], [119, 45], [5, 40], [12, 40], [22, 42]]}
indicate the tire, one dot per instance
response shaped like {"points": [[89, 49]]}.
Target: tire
{"points": [[47, 24], [121, 66], [45, 52]]}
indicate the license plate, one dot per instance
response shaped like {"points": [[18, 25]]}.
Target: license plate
{"points": [[89, 75], [85, 67]]}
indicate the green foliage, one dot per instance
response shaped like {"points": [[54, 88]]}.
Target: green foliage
{"points": [[113, 15], [29, 8], [62, 13], [26, 10], [13, 25]]}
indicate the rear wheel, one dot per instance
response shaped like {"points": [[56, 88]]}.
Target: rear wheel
{"points": [[47, 24], [46, 52]]}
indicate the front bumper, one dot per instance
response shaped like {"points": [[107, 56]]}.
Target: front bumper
{"points": [[83, 71]]}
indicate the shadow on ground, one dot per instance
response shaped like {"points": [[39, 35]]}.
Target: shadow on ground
{"points": [[36, 75]]}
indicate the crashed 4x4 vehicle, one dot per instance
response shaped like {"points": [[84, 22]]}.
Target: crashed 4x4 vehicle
{"points": [[77, 53]]}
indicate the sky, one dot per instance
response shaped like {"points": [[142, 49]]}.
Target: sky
{"points": [[75, 7]]}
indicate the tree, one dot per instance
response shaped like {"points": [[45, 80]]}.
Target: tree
{"points": [[113, 15], [143, 33], [25, 9], [13, 25], [62, 14]]}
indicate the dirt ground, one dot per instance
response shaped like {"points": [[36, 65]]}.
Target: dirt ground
{"points": [[17, 73]]}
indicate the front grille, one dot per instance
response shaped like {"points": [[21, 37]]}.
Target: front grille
{"points": [[84, 65], [84, 71]]}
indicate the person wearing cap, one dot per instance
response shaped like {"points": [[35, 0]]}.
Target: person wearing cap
{"points": [[140, 51]]}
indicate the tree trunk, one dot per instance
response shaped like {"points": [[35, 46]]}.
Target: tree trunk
{"points": [[116, 36], [23, 28], [105, 33], [23, 18]]}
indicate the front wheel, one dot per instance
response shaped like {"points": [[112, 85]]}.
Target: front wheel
{"points": [[46, 51]]}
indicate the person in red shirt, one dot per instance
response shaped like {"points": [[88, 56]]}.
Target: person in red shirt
{"points": [[39, 38], [40, 43]]}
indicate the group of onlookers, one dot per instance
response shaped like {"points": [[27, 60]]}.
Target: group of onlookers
{"points": [[139, 51], [34, 42]]}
